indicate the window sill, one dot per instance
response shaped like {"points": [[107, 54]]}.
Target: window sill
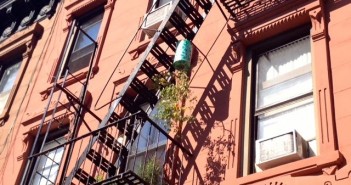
{"points": [[299, 168]]}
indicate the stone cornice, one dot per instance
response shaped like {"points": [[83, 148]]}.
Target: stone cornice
{"points": [[24, 39]]}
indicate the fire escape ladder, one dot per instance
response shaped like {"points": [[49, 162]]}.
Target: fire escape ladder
{"points": [[185, 24]]}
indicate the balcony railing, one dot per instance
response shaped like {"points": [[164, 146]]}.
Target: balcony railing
{"points": [[241, 10], [132, 149]]}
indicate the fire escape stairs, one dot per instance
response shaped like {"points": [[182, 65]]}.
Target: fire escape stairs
{"points": [[116, 170], [232, 6]]}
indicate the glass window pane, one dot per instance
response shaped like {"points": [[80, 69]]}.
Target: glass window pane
{"points": [[53, 172], [300, 118], [47, 168], [48, 165], [84, 46], [284, 73], [6, 84], [91, 27], [59, 154], [43, 181], [36, 179], [3, 100], [41, 164]]}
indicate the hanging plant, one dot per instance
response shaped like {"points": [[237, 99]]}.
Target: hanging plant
{"points": [[172, 107]]}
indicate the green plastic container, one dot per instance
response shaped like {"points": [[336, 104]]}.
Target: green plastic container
{"points": [[182, 58]]}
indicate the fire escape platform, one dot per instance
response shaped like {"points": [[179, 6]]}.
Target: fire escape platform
{"points": [[126, 178]]}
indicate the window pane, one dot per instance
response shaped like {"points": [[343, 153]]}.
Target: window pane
{"points": [[84, 46], [36, 179], [6, 84], [53, 172], [149, 136], [48, 164], [91, 27], [47, 168], [284, 73], [300, 118], [59, 154], [9, 77]]}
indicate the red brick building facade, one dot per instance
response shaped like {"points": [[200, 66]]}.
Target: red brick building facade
{"points": [[78, 100]]}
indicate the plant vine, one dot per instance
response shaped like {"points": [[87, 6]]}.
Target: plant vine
{"points": [[175, 92]]}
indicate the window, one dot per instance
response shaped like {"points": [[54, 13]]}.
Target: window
{"points": [[84, 46], [282, 101], [8, 73], [149, 145], [48, 164], [15, 56]]}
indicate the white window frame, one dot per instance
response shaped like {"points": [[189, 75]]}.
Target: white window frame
{"points": [[50, 161]]}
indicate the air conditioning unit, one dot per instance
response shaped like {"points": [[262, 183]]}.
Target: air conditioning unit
{"points": [[154, 19], [281, 149]]}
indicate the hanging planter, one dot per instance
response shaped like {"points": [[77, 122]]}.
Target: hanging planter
{"points": [[182, 58]]}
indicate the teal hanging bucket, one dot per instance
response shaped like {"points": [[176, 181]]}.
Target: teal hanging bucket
{"points": [[182, 58]]}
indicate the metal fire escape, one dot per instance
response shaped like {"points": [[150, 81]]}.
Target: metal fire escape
{"points": [[129, 128], [116, 124]]}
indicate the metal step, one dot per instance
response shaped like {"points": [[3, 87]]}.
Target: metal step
{"points": [[183, 28], [101, 162], [162, 57], [205, 4], [169, 39], [129, 104], [233, 6], [191, 13], [84, 177], [149, 69], [141, 89], [109, 141], [126, 178]]}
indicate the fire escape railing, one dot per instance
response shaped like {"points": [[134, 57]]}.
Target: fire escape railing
{"points": [[241, 10], [104, 154]]}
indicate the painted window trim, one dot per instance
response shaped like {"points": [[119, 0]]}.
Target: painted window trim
{"points": [[329, 154], [22, 42], [250, 110]]}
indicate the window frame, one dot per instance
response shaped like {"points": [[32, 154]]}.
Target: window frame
{"points": [[4, 66], [157, 147], [71, 46], [250, 113], [75, 10], [19, 44], [54, 135]]}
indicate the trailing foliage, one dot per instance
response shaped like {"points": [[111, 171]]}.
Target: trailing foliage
{"points": [[171, 107]]}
